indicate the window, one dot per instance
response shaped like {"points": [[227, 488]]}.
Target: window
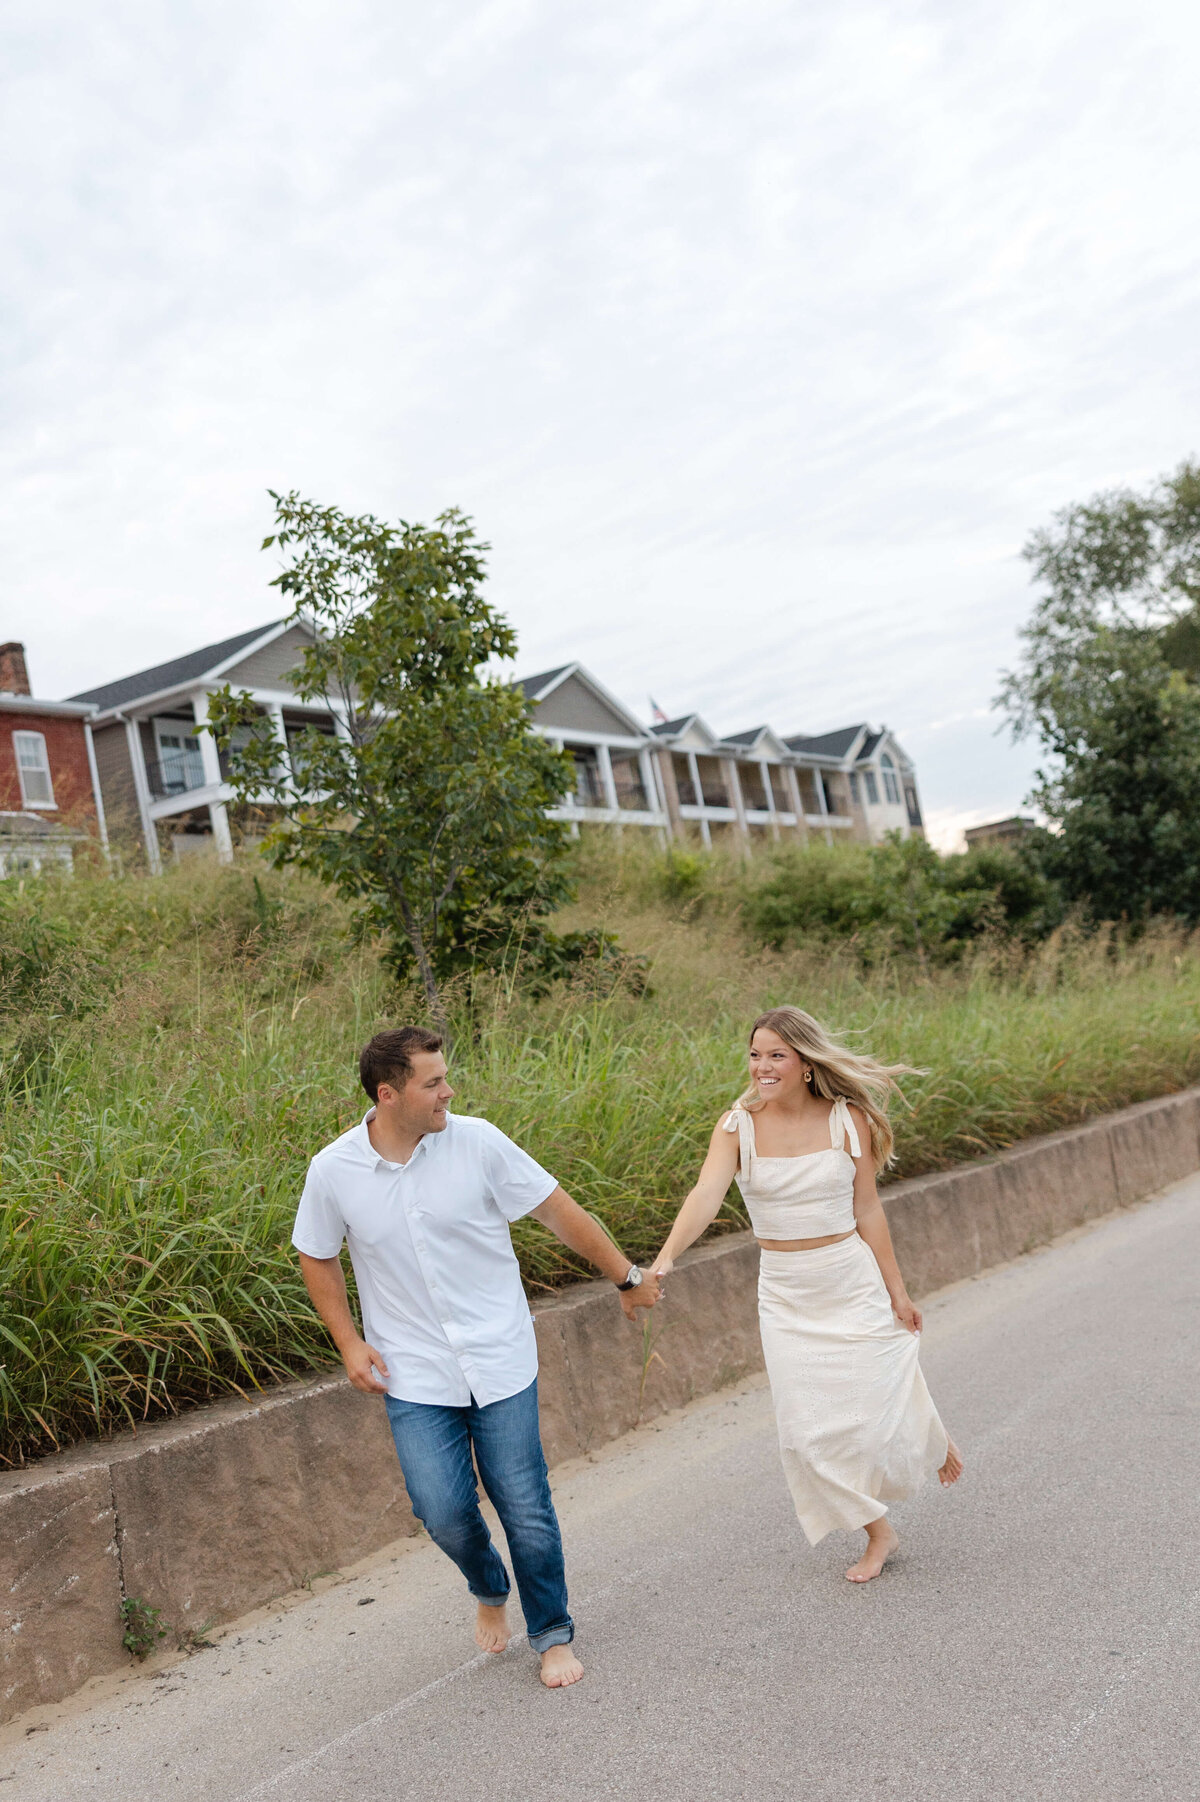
{"points": [[627, 780], [854, 794], [913, 805], [890, 785], [589, 791], [753, 777], [180, 765], [685, 788], [33, 769], [872, 787], [713, 789]]}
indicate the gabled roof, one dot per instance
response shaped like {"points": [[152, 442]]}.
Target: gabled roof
{"points": [[540, 688], [826, 744], [536, 687], [758, 738], [180, 671], [868, 745], [673, 731]]}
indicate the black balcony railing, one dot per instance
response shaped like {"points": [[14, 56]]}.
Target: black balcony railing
{"points": [[175, 774]]}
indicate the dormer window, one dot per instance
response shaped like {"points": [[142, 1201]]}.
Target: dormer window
{"points": [[891, 787], [33, 769]]}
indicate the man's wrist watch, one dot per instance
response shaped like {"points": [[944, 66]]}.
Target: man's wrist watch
{"points": [[633, 1279]]}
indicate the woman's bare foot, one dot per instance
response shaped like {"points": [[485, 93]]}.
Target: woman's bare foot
{"points": [[882, 1540], [492, 1631], [952, 1469], [560, 1667]]}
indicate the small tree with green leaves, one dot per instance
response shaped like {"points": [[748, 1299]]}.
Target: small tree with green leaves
{"points": [[427, 805]]}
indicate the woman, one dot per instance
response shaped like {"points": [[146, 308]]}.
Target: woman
{"points": [[857, 1428]]}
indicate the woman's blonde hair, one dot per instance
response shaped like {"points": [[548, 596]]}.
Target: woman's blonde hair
{"points": [[836, 1071]]}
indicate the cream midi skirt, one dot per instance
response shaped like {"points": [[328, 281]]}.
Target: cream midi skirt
{"points": [[857, 1426]]}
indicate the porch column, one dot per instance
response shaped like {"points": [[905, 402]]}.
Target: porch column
{"points": [[823, 798], [101, 821], [694, 773], [606, 777], [735, 789], [664, 770], [275, 715], [210, 757], [141, 785], [793, 787], [769, 792]]}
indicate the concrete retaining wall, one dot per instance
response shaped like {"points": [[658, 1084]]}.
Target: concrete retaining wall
{"points": [[214, 1514]]}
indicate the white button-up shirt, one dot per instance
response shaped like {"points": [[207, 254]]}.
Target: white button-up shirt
{"points": [[438, 1280]]}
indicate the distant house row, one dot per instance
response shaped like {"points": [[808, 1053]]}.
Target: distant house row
{"points": [[683, 778], [135, 760]]}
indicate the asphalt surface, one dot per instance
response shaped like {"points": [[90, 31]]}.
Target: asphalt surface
{"points": [[1037, 1637]]}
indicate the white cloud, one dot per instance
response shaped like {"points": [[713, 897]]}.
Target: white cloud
{"points": [[755, 338]]}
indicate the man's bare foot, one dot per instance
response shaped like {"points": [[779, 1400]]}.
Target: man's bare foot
{"points": [[492, 1631], [882, 1540], [560, 1667], [952, 1469]]}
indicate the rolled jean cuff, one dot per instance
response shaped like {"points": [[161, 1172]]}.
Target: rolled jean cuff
{"points": [[553, 1636], [491, 1601]]}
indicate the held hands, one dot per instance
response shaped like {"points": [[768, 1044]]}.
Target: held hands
{"points": [[908, 1315], [644, 1296], [362, 1361]]}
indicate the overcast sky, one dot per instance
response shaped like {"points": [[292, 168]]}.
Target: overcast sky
{"points": [[755, 337]]}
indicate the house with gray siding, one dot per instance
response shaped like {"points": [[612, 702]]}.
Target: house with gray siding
{"points": [[163, 778], [161, 774]]}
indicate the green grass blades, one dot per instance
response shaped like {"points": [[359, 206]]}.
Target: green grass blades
{"points": [[172, 1051]]}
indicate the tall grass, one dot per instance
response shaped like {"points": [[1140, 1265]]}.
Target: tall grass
{"points": [[174, 1051]]}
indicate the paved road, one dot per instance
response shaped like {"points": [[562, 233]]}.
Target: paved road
{"points": [[1038, 1636]]}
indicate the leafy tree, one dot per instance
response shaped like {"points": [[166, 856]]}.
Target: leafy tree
{"points": [[428, 805], [1107, 681]]}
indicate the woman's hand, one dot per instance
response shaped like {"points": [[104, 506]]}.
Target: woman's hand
{"points": [[908, 1315], [662, 1268]]}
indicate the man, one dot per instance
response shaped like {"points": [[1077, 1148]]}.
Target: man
{"points": [[424, 1199]]}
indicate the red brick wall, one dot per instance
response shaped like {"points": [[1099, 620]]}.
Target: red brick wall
{"points": [[66, 748]]}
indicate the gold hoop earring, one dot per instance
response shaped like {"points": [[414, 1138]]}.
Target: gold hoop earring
{"points": [[808, 1076]]}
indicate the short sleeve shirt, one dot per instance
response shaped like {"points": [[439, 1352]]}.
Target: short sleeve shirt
{"points": [[438, 1280]]}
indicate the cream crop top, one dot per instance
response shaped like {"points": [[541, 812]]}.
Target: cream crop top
{"points": [[805, 1197]]}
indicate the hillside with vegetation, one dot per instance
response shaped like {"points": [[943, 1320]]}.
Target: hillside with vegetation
{"points": [[173, 1050]]}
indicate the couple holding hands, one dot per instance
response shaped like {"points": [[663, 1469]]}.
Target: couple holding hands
{"points": [[424, 1198]]}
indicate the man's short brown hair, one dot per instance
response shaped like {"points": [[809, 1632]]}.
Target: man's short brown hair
{"points": [[388, 1056]]}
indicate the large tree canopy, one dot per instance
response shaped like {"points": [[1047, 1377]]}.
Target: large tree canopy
{"points": [[1108, 683], [428, 805]]}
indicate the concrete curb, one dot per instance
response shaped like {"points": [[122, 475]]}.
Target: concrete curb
{"points": [[214, 1514]]}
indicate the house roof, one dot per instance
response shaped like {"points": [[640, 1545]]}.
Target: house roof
{"points": [[533, 686], [868, 745], [826, 744], [668, 728], [744, 738], [180, 670], [77, 710]]}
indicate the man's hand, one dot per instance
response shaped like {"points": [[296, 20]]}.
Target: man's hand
{"points": [[644, 1296], [362, 1361]]}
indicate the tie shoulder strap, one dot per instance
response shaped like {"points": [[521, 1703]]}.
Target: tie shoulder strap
{"points": [[842, 1128], [740, 1122]]}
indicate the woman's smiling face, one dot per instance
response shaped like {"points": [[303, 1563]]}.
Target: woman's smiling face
{"points": [[776, 1071]]}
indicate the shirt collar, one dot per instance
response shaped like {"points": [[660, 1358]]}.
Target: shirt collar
{"points": [[363, 1145]]}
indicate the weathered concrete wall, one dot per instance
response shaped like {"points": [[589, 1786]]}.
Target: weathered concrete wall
{"points": [[214, 1514]]}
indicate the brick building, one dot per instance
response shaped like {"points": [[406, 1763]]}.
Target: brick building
{"points": [[49, 794]]}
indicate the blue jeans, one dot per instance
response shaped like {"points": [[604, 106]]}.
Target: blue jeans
{"points": [[434, 1445]]}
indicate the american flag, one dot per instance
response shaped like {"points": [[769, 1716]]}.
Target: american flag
{"points": [[656, 712]]}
